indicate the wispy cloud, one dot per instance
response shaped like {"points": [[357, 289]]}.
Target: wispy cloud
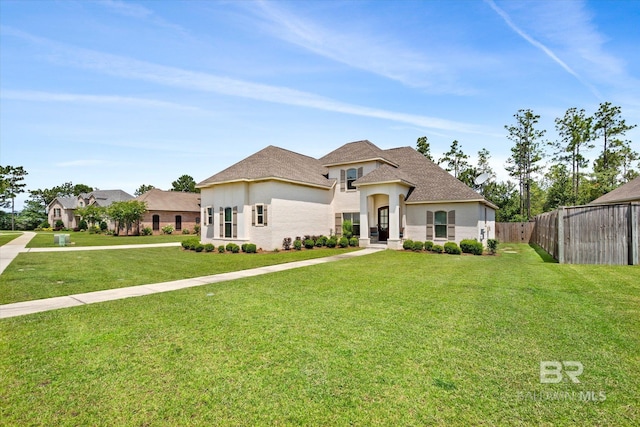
{"points": [[373, 52], [176, 77], [547, 51], [140, 12], [39, 96]]}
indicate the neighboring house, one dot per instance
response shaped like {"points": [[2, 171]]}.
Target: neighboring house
{"points": [[178, 209], [389, 195], [63, 208], [626, 193]]}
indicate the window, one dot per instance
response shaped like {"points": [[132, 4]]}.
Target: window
{"points": [[228, 224], [259, 214], [197, 220], [209, 215], [354, 217], [156, 222], [352, 175], [348, 177], [178, 222], [57, 213], [441, 225]]}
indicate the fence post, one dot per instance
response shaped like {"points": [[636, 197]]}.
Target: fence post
{"points": [[633, 234], [561, 235]]}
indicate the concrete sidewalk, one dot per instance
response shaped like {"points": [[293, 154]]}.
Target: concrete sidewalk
{"points": [[36, 306], [11, 250]]}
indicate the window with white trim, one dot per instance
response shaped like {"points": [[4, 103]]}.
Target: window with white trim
{"points": [[440, 225], [259, 214], [354, 217], [352, 175], [228, 222], [209, 219], [57, 212]]}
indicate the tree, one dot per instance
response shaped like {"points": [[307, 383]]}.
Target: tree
{"points": [[423, 147], [127, 213], [31, 216], [576, 133], [525, 155], [186, 184], [12, 185], [611, 127], [79, 189], [559, 187], [92, 214], [505, 196], [143, 189], [455, 159]]}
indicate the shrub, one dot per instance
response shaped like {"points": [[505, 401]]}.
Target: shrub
{"points": [[492, 244], [452, 248], [186, 231], [167, 229], [469, 246], [83, 225], [59, 225], [347, 228], [428, 245], [321, 241], [244, 247], [199, 247], [353, 241], [286, 243], [332, 242], [309, 244], [103, 226], [297, 244], [343, 242], [417, 245], [196, 229], [407, 245], [147, 231], [208, 247], [76, 229], [251, 248], [94, 229], [221, 249], [233, 248], [437, 249], [44, 224]]}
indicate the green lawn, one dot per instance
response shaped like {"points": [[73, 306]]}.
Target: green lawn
{"points": [[392, 338], [45, 239], [7, 236], [44, 274]]}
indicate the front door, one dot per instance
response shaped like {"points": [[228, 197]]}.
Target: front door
{"points": [[383, 223]]}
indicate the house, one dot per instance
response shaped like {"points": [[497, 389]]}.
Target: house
{"points": [[389, 195], [178, 209], [63, 208], [626, 193]]}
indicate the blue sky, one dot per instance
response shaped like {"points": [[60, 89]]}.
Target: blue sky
{"points": [[116, 94]]}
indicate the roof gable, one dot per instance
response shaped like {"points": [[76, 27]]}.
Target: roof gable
{"points": [[159, 200], [355, 152], [274, 163], [625, 193], [385, 173]]}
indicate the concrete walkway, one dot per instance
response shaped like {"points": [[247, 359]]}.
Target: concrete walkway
{"points": [[36, 306], [11, 250]]}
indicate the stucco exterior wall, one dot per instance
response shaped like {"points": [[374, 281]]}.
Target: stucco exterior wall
{"points": [[292, 210], [469, 221]]}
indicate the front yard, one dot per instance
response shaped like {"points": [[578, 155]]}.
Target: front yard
{"points": [[393, 338]]}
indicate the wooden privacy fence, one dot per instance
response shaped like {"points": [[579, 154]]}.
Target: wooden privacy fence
{"points": [[514, 232], [592, 234]]}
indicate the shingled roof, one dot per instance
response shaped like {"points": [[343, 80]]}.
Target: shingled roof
{"points": [[629, 192], [432, 183], [274, 163], [385, 173], [106, 197], [159, 200], [355, 152]]}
